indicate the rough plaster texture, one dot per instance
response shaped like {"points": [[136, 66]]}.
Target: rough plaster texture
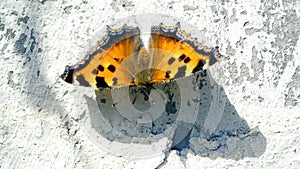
{"points": [[259, 76]]}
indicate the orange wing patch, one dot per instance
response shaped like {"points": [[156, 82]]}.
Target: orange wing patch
{"points": [[177, 54], [120, 59], [98, 68]]}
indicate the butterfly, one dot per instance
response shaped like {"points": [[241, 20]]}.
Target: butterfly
{"points": [[121, 59]]}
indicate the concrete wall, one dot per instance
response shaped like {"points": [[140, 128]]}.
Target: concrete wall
{"points": [[257, 80]]}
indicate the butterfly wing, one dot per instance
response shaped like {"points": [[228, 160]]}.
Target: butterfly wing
{"points": [[107, 66], [120, 59], [175, 54]]}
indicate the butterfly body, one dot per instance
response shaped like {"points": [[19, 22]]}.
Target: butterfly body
{"points": [[120, 58]]}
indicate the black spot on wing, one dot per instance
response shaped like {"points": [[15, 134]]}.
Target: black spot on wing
{"points": [[199, 66], [167, 74], [171, 60], [181, 57], [181, 72], [95, 71], [115, 81], [117, 59], [111, 68], [101, 82], [101, 68], [187, 60]]}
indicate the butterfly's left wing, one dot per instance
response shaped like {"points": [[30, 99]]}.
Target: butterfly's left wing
{"points": [[109, 64]]}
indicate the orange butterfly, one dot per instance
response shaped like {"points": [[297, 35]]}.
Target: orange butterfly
{"points": [[121, 59]]}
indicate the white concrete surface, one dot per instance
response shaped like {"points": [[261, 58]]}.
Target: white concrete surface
{"points": [[258, 78]]}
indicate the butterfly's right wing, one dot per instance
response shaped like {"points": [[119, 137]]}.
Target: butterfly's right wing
{"points": [[175, 54]]}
